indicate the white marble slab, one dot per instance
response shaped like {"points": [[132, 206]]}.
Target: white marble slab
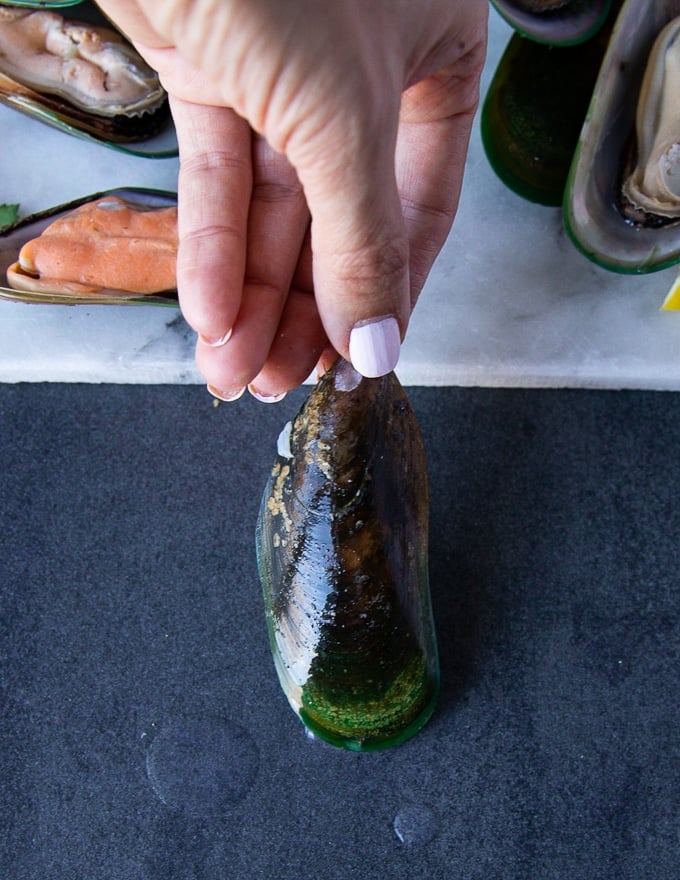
{"points": [[510, 302]]}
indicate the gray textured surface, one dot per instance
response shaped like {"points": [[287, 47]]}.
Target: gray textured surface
{"points": [[142, 731]]}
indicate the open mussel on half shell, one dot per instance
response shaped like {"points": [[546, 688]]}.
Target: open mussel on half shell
{"points": [[622, 201], [555, 22], [113, 248], [342, 556], [85, 75]]}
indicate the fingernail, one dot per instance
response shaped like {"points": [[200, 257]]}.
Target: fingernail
{"points": [[265, 398], [215, 341], [374, 347], [226, 396]]}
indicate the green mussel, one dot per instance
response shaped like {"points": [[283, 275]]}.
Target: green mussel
{"points": [[343, 559], [534, 110]]}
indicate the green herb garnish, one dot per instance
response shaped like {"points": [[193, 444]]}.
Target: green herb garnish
{"points": [[9, 214]]}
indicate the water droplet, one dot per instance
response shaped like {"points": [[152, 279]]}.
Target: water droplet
{"points": [[202, 766], [415, 825]]}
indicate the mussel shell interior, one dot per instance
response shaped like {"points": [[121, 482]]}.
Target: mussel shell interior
{"points": [[567, 25], [28, 228], [591, 208]]}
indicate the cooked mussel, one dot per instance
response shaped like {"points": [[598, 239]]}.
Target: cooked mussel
{"points": [[342, 556], [653, 187], [556, 22], [84, 74], [622, 204], [117, 247]]}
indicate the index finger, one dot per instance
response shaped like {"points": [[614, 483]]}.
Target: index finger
{"points": [[214, 187]]}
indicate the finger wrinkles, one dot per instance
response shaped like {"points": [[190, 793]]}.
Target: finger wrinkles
{"points": [[267, 288], [272, 193], [298, 344], [451, 91], [373, 268], [210, 162], [211, 233], [416, 210], [214, 193]]}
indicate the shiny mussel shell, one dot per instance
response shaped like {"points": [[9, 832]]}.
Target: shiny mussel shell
{"points": [[342, 555]]}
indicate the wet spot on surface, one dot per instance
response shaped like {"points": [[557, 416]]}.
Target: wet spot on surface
{"points": [[202, 766], [415, 825]]}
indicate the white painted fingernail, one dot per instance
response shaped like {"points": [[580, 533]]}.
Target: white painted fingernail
{"points": [[265, 398], [374, 347], [215, 342], [226, 395]]}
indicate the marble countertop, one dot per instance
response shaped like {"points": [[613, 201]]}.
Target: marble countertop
{"points": [[510, 302]]}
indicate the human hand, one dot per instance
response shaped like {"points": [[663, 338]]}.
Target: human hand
{"points": [[356, 115]]}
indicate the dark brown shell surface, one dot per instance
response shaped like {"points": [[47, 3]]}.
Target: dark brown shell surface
{"points": [[342, 556]]}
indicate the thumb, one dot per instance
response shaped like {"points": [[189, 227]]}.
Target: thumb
{"points": [[360, 247]]}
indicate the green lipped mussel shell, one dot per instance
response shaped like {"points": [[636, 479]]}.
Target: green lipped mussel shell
{"points": [[534, 110], [342, 556], [555, 22]]}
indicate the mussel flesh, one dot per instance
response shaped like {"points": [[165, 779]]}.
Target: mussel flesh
{"points": [[115, 248], [342, 556], [86, 74], [654, 185]]}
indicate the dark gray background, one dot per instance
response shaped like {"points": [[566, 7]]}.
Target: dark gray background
{"points": [[143, 733]]}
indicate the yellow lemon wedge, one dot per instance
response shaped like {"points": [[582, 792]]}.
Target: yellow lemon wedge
{"points": [[672, 301]]}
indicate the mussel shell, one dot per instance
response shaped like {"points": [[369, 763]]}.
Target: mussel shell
{"points": [[342, 556], [149, 132], [161, 145], [12, 240], [557, 23], [119, 128], [533, 112], [593, 212]]}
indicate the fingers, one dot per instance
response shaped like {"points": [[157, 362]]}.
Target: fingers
{"points": [[300, 339], [430, 191], [214, 186], [299, 342], [277, 224], [432, 144], [360, 248]]}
